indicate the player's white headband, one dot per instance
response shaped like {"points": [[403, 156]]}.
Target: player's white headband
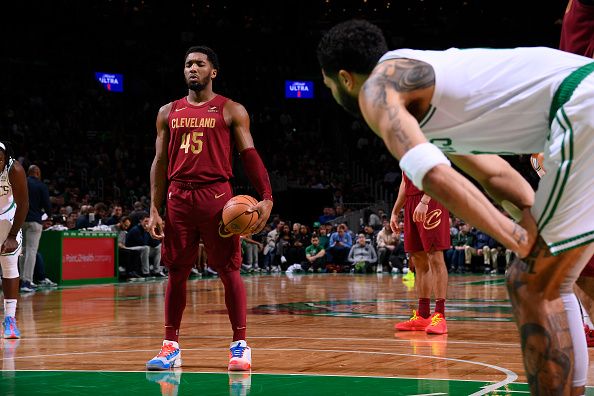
{"points": [[2, 146]]}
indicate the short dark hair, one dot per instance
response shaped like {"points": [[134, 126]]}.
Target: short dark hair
{"points": [[7, 154], [354, 45], [209, 52]]}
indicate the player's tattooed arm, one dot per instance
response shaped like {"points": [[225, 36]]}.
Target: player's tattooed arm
{"points": [[384, 98], [405, 75]]}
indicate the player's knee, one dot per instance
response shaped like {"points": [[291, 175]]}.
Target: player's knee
{"points": [[10, 269]]}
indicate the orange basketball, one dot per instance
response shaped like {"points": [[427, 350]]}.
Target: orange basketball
{"points": [[236, 218]]}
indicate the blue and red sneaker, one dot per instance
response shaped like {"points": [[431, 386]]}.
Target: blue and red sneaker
{"points": [[240, 356], [11, 331], [168, 358]]}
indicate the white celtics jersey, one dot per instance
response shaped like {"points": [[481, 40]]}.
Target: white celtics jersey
{"points": [[6, 197], [492, 100]]}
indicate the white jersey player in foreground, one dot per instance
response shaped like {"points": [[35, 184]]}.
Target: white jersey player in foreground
{"points": [[14, 204], [471, 105]]}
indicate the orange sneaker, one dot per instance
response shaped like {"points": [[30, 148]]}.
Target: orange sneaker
{"points": [[415, 323], [437, 325]]}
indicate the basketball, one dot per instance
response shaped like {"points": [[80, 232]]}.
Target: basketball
{"points": [[236, 218]]}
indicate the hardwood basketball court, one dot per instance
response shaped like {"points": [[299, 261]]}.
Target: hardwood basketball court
{"points": [[325, 334]]}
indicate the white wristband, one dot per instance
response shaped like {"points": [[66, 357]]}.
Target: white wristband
{"points": [[419, 160]]}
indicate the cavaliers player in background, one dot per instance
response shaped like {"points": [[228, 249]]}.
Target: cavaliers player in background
{"points": [[191, 170], [577, 31], [426, 236]]}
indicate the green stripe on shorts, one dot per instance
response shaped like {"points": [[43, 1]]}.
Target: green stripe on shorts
{"points": [[10, 207], [542, 222], [571, 243], [567, 87]]}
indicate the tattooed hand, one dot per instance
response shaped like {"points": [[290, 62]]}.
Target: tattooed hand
{"points": [[525, 233]]}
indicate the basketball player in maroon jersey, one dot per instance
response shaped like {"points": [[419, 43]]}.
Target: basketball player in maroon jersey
{"points": [[577, 31], [195, 139], [426, 236]]}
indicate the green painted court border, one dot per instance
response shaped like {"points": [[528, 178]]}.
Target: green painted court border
{"points": [[39, 382]]}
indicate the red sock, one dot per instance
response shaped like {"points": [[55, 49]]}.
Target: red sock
{"points": [[424, 309], [175, 301], [236, 302], [440, 306]]}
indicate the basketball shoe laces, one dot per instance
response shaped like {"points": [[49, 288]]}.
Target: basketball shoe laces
{"points": [[414, 317], [237, 351], [436, 319], [166, 351]]}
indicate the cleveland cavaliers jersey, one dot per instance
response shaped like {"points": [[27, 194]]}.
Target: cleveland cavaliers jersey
{"points": [[492, 100], [6, 197], [200, 142]]}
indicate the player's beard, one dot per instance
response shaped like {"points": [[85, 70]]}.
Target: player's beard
{"points": [[198, 86], [348, 102]]}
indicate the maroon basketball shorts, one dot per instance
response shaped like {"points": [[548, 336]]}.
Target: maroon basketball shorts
{"points": [[193, 214], [589, 269], [577, 33], [433, 233]]}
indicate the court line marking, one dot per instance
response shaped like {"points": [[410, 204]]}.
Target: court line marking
{"points": [[510, 375], [396, 340], [184, 371]]}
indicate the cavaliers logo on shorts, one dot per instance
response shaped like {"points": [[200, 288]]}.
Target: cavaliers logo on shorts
{"points": [[433, 219], [223, 233]]}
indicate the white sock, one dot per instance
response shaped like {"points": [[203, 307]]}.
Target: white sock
{"points": [[10, 307], [576, 329]]}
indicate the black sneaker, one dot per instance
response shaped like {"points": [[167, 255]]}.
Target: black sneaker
{"points": [[27, 287]]}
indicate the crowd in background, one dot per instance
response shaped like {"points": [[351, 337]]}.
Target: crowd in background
{"points": [[95, 147]]}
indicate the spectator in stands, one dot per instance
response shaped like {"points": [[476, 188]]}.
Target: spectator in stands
{"points": [[302, 239], [39, 205], [71, 220], [398, 260], [315, 256], [339, 246], [338, 198], [138, 213], [116, 214], [387, 242], [252, 249], [370, 235], [453, 228], [93, 217], [284, 242], [269, 250], [459, 243], [315, 228], [374, 220], [129, 257], [328, 215], [483, 245], [138, 237], [362, 256], [323, 237]]}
